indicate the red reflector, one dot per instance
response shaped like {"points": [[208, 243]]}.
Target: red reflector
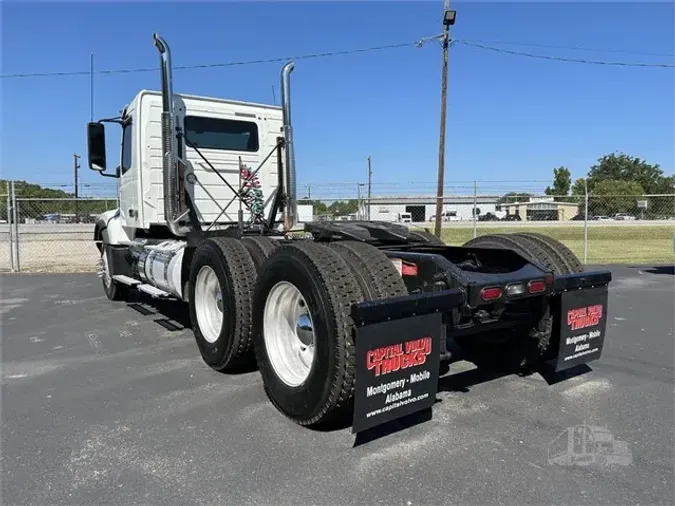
{"points": [[409, 270], [536, 286], [490, 293]]}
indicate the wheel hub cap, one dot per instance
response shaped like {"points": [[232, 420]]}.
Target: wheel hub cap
{"points": [[289, 334], [209, 304]]}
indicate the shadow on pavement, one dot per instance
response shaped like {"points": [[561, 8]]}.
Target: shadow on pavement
{"points": [[657, 269], [174, 314], [662, 269]]}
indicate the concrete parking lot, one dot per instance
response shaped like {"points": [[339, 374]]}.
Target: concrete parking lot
{"points": [[111, 403]]}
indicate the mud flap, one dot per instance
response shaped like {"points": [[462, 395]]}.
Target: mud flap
{"points": [[581, 324], [397, 366]]}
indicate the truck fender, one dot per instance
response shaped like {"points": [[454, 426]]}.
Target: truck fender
{"points": [[109, 230]]}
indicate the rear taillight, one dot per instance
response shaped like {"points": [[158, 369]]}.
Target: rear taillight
{"points": [[536, 286], [492, 293]]}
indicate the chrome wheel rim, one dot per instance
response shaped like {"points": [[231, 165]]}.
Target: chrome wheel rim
{"points": [[288, 333], [208, 304], [105, 268]]}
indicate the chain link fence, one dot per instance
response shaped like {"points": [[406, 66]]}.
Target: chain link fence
{"points": [[56, 235], [607, 229], [6, 242], [51, 235]]}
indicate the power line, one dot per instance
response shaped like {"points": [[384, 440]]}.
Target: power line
{"points": [[560, 58], [326, 54], [418, 43], [572, 48]]}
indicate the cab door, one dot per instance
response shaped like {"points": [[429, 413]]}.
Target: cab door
{"points": [[129, 172]]}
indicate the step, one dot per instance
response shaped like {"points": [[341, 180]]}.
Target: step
{"points": [[125, 279], [153, 290]]}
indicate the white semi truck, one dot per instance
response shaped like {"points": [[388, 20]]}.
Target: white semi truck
{"points": [[207, 215]]}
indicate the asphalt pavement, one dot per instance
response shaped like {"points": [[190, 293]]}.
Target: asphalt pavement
{"points": [[107, 402]]}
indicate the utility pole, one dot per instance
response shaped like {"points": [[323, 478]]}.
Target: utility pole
{"points": [[76, 166], [448, 20], [370, 178]]}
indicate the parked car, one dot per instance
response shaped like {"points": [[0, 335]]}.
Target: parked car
{"points": [[488, 217], [512, 217], [623, 216]]}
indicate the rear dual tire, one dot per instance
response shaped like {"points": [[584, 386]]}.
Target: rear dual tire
{"points": [[223, 274], [325, 280], [220, 297], [319, 277]]}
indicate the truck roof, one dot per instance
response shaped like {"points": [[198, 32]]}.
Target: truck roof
{"points": [[140, 94]]}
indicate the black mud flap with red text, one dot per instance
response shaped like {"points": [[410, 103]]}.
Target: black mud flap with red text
{"points": [[397, 366], [582, 322]]}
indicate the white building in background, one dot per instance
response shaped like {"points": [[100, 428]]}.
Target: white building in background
{"points": [[423, 209]]}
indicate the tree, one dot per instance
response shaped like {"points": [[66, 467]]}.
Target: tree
{"points": [[650, 177], [37, 208], [344, 207], [621, 167], [611, 196], [579, 187], [514, 197], [318, 207], [29, 190], [562, 181]]}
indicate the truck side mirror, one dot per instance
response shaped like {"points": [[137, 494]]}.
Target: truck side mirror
{"points": [[96, 146]]}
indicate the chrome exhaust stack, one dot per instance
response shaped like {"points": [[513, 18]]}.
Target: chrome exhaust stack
{"points": [[170, 153], [291, 212]]}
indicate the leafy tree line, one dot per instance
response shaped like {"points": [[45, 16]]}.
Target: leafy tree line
{"points": [[38, 208], [615, 183], [336, 208]]}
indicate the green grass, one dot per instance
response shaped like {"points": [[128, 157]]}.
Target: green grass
{"points": [[606, 245]]}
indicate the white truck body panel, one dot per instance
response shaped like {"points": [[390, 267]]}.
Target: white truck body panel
{"points": [[305, 213], [142, 185]]}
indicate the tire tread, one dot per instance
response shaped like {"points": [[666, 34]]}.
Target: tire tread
{"points": [[428, 237], [374, 271], [241, 272], [259, 247], [343, 290], [567, 257]]}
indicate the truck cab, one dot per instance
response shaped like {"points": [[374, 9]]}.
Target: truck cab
{"points": [[233, 136]]}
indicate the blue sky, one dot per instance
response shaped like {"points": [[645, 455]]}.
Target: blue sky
{"points": [[510, 118]]}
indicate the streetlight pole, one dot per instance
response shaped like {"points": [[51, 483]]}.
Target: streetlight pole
{"points": [[448, 20]]}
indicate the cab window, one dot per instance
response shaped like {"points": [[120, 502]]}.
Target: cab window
{"points": [[127, 146], [222, 134]]}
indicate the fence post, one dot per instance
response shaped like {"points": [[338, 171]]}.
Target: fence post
{"points": [[585, 221], [11, 234], [16, 227], [475, 202]]}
